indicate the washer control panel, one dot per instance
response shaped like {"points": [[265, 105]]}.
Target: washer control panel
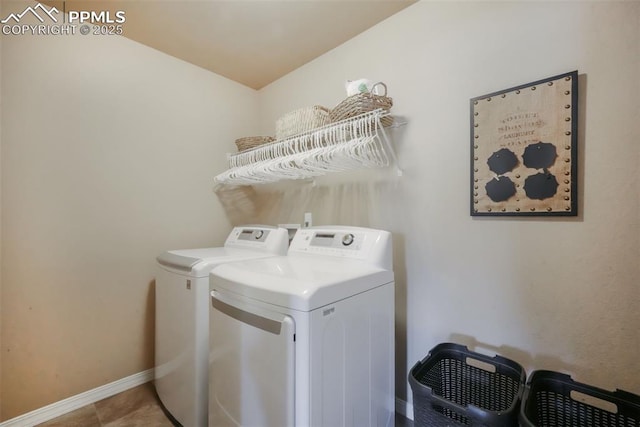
{"points": [[253, 234], [260, 238]]}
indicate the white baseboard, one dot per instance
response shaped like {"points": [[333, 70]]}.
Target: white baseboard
{"points": [[72, 403], [403, 408]]}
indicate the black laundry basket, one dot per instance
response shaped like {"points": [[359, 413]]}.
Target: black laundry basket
{"points": [[453, 386], [553, 399]]}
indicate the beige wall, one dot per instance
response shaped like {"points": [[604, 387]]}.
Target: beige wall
{"points": [[551, 293], [109, 149], [1, 14]]}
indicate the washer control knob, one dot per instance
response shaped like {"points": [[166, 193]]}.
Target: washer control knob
{"points": [[258, 234], [347, 239]]}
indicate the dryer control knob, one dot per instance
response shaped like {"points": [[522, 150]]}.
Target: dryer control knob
{"points": [[347, 239], [258, 234]]}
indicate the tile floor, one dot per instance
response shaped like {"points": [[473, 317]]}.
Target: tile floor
{"points": [[136, 407]]}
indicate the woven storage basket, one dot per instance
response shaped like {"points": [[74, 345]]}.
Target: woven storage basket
{"points": [[302, 120], [363, 103], [250, 142]]}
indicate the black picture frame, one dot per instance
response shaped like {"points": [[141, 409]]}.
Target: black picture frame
{"points": [[524, 149]]}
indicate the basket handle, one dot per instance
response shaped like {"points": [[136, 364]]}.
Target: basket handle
{"points": [[373, 88]]}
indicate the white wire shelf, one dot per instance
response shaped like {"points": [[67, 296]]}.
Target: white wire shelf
{"points": [[356, 143]]}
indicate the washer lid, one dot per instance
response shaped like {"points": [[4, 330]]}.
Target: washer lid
{"points": [[244, 242], [199, 262], [299, 282]]}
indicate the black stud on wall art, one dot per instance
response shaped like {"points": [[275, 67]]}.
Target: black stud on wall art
{"points": [[524, 149]]}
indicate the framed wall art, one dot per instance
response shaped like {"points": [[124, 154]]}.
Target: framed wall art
{"points": [[524, 149]]}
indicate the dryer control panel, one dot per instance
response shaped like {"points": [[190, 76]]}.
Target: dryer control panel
{"points": [[341, 241]]}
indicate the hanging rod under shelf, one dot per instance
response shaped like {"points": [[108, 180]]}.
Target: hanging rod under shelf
{"points": [[355, 143]]}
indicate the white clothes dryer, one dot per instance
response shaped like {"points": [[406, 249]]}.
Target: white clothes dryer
{"points": [[305, 339], [182, 316]]}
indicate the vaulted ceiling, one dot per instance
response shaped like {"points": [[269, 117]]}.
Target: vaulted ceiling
{"points": [[251, 42]]}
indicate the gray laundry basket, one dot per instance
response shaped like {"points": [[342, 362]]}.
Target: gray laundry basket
{"points": [[553, 399], [453, 386]]}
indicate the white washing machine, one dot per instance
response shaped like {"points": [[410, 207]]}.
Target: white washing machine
{"points": [[305, 339], [182, 316]]}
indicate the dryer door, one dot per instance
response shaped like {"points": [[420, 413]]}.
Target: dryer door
{"points": [[251, 374]]}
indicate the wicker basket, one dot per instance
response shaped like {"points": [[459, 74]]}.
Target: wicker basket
{"points": [[363, 103], [302, 120], [249, 142]]}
